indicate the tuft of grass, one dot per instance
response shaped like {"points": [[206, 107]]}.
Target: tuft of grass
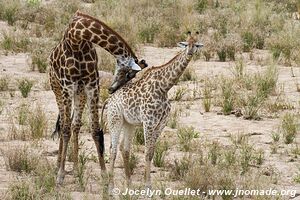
{"points": [[37, 122], [10, 11], [16, 43], [179, 93], [83, 159], [214, 152], [39, 61], [160, 153], [259, 157], [25, 86], [20, 160], [246, 155], [228, 94], [4, 82], [173, 119], [289, 128], [23, 111], [1, 106], [207, 96], [21, 190], [185, 136], [180, 168], [275, 136], [139, 138], [133, 162]]}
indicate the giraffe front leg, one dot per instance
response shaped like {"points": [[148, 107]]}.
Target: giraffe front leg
{"points": [[79, 103], [115, 127], [151, 137]]}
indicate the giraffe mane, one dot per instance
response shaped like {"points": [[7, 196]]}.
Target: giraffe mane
{"points": [[78, 13], [148, 70]]}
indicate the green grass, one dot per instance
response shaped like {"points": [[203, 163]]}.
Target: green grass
{"points": [[185, 136], [25, 86], [20, 159], [161, 148], [4, 82], [289, 128]]}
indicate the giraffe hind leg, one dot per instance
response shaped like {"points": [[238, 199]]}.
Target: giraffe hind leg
{"points": [[66, 134], [79, 104]]}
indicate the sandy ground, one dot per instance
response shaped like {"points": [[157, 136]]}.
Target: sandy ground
{"points": [[212, 126]]}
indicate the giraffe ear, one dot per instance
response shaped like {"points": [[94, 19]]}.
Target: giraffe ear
{"points": [[182, 44]]}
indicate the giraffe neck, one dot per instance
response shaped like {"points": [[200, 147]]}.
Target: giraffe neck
{"points": [[170, 73], [86, 28]]}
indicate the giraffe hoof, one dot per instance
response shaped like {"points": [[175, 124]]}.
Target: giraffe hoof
{"points": [[60, 178]]}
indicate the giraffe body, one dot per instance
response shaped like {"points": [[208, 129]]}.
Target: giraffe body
{"points": [[144, 101], [74, 80]]}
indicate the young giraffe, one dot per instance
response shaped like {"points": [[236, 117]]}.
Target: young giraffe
{"points": [[144, 101], [74, 80]]}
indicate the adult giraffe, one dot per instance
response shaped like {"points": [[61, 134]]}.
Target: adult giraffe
{"points": [[74, 80], [144, 101]]}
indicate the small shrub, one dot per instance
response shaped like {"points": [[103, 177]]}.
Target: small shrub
{"points": [[160, 153], [289, 128], [252, 103], [21, 190], [15, 42], [10, 11], [222, 54], [248, 40], [20, 160], [185, 136], [4, 82], [25, 86]]}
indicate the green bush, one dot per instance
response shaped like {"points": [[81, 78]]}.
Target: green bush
{"points": [[25, 86]]}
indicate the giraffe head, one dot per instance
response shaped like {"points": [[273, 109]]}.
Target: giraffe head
{"points": [[192, 44]]}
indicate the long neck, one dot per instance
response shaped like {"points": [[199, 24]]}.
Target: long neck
{"points": [[169, 73], [84, 27]]}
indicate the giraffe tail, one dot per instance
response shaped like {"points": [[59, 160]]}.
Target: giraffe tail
{"points": [[56, 132], [102, 129]]}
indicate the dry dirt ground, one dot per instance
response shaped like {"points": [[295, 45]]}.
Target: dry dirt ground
{"points": [[211, 125]]}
